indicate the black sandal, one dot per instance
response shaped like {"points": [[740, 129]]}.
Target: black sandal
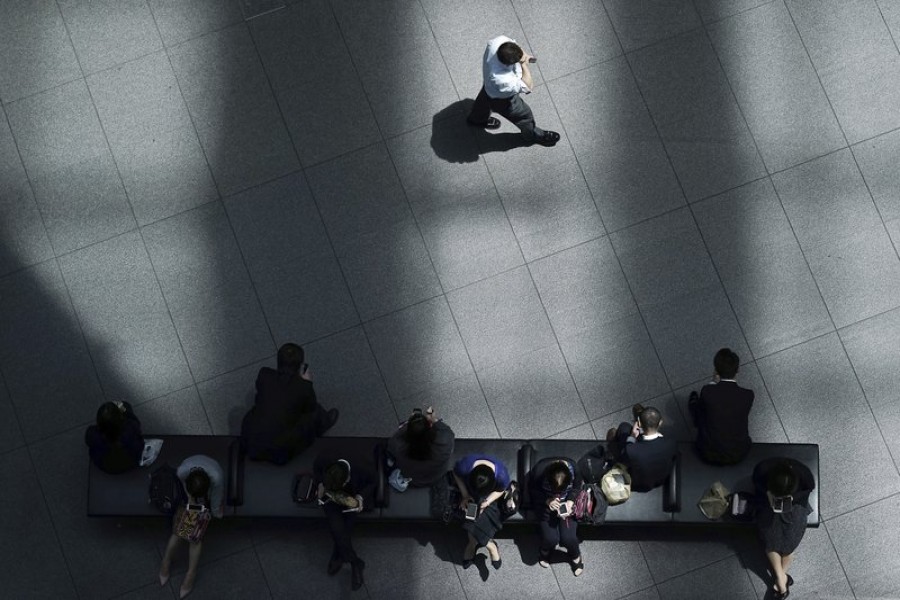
{"points": [[578, 567]]}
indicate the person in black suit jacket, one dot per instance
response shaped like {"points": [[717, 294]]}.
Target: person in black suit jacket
{"points": [[286, 417], [344, 493], [721, 413], [115, 443], [643, 449]]}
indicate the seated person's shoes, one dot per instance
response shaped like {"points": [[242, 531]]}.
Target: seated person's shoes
{"points": [[548, 139], [491, 123]]}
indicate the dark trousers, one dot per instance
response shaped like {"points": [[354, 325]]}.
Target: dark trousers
{"points": [[340, 525], [616, 445], [559, 532], [512, 109]]}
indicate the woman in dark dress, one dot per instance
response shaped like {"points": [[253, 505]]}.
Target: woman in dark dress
{"points": [[782, 488], [115, 443], [554, 485], [482, 479]]}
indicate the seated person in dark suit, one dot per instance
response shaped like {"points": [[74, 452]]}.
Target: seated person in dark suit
{"points": [[343, 493], [721, 413], [286, 418], [422, 448], [643, 449], [115, 443], [782, 487]]}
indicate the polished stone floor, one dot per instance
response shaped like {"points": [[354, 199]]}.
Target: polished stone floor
{"points": [[184, 188]]}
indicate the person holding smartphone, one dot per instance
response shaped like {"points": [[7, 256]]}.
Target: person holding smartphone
{"points": [[286, 418], [782, 487], [422, 447], [554, 485], [507, 74], [482, 480], [343, 493]]}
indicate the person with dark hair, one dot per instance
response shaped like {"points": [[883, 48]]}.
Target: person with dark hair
{"points": [[554, 486], [343, 493], [421, 448], [506, 75], [721, 413], [115, 443], [483, 480], [286, 418], [643, 449], [204, 482], [782, 487]]}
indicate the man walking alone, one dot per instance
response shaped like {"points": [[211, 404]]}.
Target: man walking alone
{"points": [[506, 75]]}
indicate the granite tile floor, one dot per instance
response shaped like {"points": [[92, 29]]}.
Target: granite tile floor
{"points": [[187, 184]]}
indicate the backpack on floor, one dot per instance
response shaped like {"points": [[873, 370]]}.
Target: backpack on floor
{"points": [[166, 492]]}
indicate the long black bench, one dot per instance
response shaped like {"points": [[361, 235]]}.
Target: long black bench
{"points": [[258, 489]]}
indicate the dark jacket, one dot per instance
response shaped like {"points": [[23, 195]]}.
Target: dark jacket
{"points": [[282, 420], [649, 462], [117, 456], [424, 472], [723, 414], [362, 481], [539, 487]]}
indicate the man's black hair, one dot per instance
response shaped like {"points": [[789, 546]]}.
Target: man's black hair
{"points": [[651, 418], [509, 53], [290, 359], [726, 363]]}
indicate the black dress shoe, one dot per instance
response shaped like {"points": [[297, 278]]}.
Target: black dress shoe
{"points": [[491, 123], [636, 411], [548, 139], [356, 577]]}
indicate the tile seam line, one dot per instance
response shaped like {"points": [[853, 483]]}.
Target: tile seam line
{"points": [[838, 557], [689, 205], [534, 286], [884, 227], [343, 39]]}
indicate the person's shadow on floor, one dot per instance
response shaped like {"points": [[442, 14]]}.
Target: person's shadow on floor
{"points": [[455, 141]]}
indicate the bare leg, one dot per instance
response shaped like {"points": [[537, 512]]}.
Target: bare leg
{"points": [[193, 558], [167, 559], [780, 576], [786, 561]]}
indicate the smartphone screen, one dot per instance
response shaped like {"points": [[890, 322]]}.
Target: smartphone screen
{"points": [[471, 511], [563, 509], [195, 507]]}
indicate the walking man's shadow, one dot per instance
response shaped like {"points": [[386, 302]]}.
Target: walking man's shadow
{"points": [[454, 140]]}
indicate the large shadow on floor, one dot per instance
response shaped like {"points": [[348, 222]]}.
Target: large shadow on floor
{"points": [[451, 136]]}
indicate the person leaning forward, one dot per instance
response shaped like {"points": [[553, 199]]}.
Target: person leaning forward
{"points": [[506, 75], [286, 418]]}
